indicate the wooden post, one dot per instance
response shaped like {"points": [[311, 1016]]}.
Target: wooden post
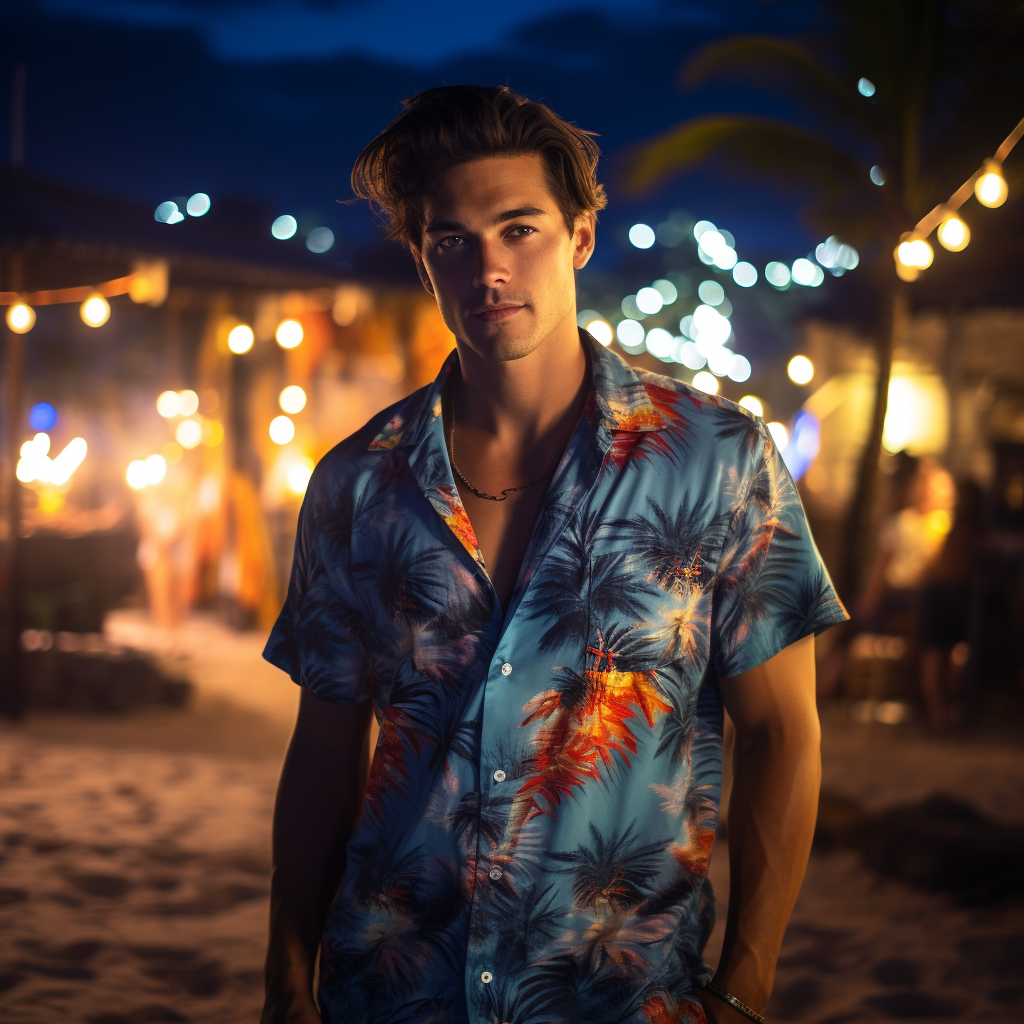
{"points": [[12, 676]]}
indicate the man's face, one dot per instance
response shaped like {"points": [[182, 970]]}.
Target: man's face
{"points": [[497, 256]]}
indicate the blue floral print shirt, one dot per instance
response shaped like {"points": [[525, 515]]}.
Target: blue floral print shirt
{"points": [[544, 791]]}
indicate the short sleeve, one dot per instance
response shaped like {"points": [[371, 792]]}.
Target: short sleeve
{"points": [[316, 638], [772, 587]]}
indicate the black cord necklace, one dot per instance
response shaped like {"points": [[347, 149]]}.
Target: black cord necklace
{"points": [[462, 476]]}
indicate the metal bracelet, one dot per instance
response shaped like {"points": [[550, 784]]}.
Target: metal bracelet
{"points": [[736, 1004]]}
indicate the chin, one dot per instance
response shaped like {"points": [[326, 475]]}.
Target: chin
{"points": [[503, 346]]}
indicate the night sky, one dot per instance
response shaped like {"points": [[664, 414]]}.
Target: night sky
{"points": [[151, 99]]}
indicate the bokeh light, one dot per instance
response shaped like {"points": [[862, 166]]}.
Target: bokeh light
{"points": [[168, 404], [298, 475], [780, 435], [168, 213], [711, 292], [745, 274], [659, 342], [188, 433], [172, 452], [282, 430], [877, 175], [95, 311], [777, 274], [630, 334], [21, 318], [991, 188], [284, 226], [641, 236], [289, 333], [700, 227], [953, 233], [667, 290], [649, 301], [320, 240], [752, 404], [803, 271], [690, 356], [915, 253], [740, 370], [188, 402], [706, 382], [630, 309], [198, 205], [800, 370], [837, 256], [600, 331], [292, 399], [213, 433], [136, 475], [865, 87], [240, 339], [720, 360], [709, 325], [156, 469], [42, 416]]}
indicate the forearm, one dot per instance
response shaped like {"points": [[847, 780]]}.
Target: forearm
{"points": [[772, 810], [314, 817]]}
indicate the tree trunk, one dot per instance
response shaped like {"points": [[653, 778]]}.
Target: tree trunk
{"points": [[859, 547]]}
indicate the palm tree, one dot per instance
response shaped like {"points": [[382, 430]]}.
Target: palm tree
{"points": [[912, 52]]}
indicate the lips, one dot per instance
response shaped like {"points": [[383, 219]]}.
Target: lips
{"points": [[496, 314]]}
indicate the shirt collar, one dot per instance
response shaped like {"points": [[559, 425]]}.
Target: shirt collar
{"points": [[624, 402]]}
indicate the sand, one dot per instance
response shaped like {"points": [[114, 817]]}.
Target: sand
{"points": [[134, 855]]}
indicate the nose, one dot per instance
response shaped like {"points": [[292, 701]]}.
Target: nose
{"points": [[492, 269]]}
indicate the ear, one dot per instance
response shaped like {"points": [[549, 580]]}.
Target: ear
{"points": [[583, 239], [421, 270]]}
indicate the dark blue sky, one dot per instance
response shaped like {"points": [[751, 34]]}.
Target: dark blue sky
{"points": [[154, 99]]}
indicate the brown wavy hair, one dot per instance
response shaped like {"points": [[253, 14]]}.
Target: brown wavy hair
{"points": [[450, 125]]}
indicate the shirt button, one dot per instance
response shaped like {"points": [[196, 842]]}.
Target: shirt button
{"points": [[494, 873], [499, 776], [506, 669], [486, 977]]}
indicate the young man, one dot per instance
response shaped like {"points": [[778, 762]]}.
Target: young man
{"points": [[545, 573]]}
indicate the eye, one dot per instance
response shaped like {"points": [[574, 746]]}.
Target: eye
{"points": [[522, 231], [451, 242]]}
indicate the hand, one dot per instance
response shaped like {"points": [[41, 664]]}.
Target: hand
{"points": [[718, 1011], [298, 1009]]}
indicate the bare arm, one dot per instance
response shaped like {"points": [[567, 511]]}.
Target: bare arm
{"points": [[772, 810], [319, 799]]}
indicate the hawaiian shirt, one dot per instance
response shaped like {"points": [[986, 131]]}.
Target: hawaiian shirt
{"points": [[543, 796]]}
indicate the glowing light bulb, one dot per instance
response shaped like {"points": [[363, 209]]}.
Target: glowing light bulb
{"points": [[168, 404], [137, 475], [953, 233], [915, 253], [752, 404], [289, 333], [156, 469], [706, 382], [600, 331], [800, 370], [95, 311], [21, 318], [299, 474], [188, 402], [188, 433], [991, 188], [292, 399], [240, 339], [282, 430], [780, 435], [642, 236]]}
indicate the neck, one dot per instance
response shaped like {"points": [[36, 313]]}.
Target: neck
{"points": [[520, 400]]}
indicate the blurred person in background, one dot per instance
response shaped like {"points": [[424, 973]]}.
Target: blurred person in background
{"points": [[547, 649], [945, 606]]}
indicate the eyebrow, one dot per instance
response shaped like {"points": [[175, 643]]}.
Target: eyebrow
{"points": [[521, 211]]}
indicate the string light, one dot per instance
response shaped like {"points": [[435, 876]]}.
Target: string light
{"points": [[21, 318], [914, 254], [953, 233], [95, 311], [991, 188]]}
